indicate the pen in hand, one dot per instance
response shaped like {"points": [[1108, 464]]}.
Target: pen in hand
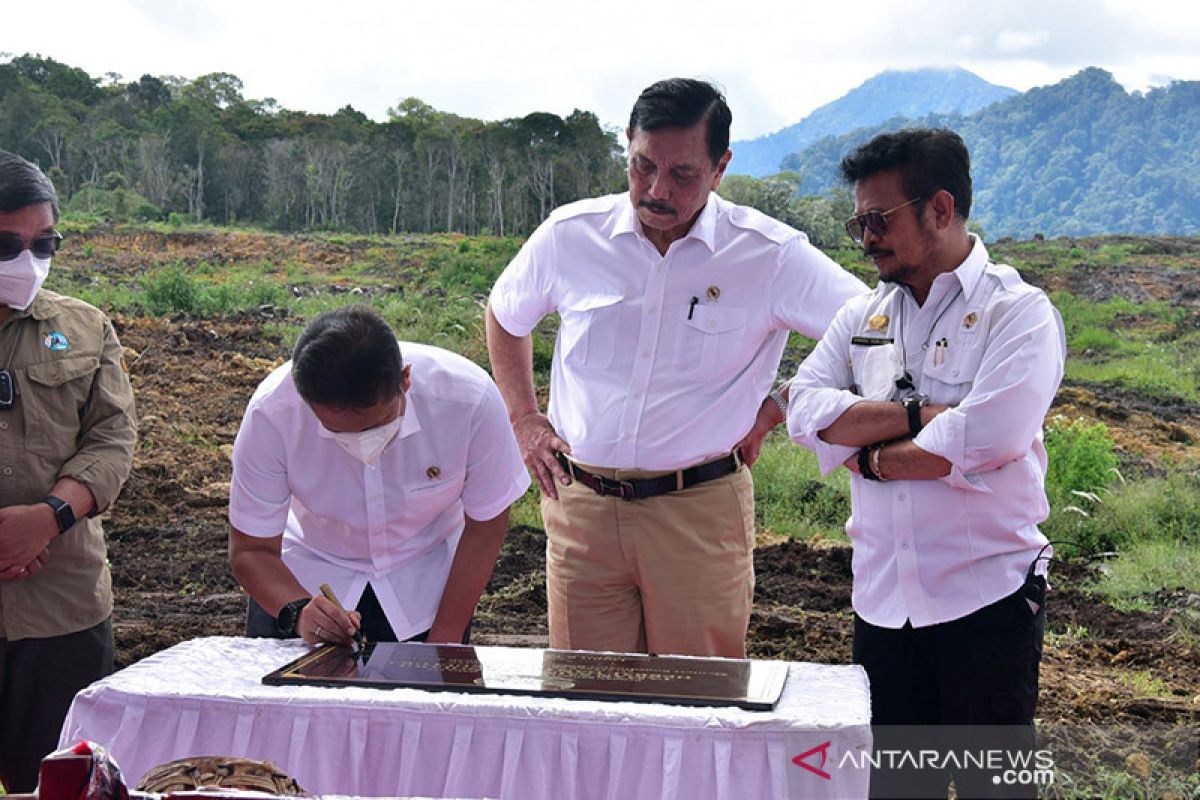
{"points": [[360, 641]]}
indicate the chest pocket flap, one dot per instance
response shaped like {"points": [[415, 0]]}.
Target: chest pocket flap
{"points": [[55, 373], [716, 319]]}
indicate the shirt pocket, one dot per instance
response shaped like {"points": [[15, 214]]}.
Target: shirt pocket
{"points": [[589, 328], [951, 369], [876, 368], [710, 338], [53, 396], [426, 499]]}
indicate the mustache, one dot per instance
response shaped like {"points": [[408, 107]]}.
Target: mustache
{"points": [[656, 207], [874, 251]]}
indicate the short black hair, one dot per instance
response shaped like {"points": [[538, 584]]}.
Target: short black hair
{"points": [[23, 184], [929, 159], [681, 103], [348, 358]]}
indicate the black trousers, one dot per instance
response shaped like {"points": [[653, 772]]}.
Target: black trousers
{"points": [[375, 625], [978, 674], [38, 680]]}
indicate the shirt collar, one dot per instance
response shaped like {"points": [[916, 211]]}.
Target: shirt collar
{"points": [[971, 270], [41, 308], [410, 423], [967, 273], [704, 228]]}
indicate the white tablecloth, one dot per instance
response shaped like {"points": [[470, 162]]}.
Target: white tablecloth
{"points": [[205, 697]]}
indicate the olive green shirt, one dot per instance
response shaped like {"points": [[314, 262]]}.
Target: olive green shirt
{"points": [[73, 417]]}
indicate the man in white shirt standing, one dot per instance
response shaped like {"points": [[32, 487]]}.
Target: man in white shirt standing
{"points": [[388, 477], [932, 390], [675, 307]]}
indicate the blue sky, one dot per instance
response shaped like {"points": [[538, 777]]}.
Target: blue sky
{"points": [[777, 60]]}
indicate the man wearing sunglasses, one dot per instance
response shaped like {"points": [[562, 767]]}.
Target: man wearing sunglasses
{"points": [[67, 432], [675, 307], [932, 390]]}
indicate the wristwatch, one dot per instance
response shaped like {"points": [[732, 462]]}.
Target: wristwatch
{"points": [[912, 404], [289, 616], [780, 400], [64, 515]]}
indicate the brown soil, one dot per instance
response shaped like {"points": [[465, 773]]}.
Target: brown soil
{"points": [[168, 530]]}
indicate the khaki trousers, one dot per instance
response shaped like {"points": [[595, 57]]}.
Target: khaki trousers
{"points": [[668, 574]]}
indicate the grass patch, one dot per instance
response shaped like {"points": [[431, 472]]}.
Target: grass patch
{"points": [[1162, 372], [1145, 566], [1134, 345], [1070, 635], [527, 510], [1145, 683], [792, 498]]}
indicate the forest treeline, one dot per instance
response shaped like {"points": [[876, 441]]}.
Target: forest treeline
{"points": [[1077, 158], [200, 150]]}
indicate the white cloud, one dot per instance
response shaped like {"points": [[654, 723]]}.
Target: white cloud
{"points": [[491, 60]]}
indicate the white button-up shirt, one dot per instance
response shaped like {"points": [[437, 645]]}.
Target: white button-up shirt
{"points": [[991, 346], [662, 361], [396, 524]]}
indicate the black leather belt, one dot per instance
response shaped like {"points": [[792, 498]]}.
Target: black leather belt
{"points": [[641, 488]]}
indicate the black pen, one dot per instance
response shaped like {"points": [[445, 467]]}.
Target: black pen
{"points": [[692, 306]]}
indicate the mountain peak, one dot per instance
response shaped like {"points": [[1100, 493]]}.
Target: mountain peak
{"points": [[909, 93]]}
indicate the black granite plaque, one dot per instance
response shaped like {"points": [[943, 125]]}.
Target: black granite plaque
{"points": [[749, 684]]}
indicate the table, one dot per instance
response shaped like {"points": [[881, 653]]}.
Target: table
{"points": [[205, 697]]}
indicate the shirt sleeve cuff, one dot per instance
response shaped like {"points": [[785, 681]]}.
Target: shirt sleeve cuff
{"points": [[507, 318], [812, 410], [100, 477], [486, 511], [944, 436]]}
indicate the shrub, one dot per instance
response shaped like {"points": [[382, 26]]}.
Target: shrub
{"points": [[1082, 464], [1082, 458], [171, 290]]}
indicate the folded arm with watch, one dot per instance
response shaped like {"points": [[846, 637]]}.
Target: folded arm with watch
{"points": [[883, 430]]}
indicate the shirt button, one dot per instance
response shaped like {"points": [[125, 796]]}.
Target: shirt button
{"points": [[901, 497], [712, 324], [3, 426], [953, 372], [645, 354], [904, 545], [8, 470]]}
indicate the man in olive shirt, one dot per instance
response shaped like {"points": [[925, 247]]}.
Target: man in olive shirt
{"points": [[67, 432]]}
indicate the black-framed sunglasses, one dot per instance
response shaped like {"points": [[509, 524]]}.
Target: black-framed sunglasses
{"points": [[874, 220], [42, 246]]}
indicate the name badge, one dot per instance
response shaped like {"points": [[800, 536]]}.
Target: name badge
{"points": [[870, 341]]}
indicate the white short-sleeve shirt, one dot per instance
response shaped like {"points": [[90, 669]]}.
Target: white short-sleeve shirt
{"points": [[396, 524], [662, 361]]}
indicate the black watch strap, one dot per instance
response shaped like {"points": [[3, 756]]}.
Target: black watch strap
{"points": [[289, 617], [913, 406], [64, 515]]}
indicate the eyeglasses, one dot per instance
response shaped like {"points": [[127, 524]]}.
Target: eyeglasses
{"points": [[875, 220], [12, 245]]}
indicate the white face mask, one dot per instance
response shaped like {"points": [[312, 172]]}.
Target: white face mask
{"points": [[21, 278], [367, 446]]}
